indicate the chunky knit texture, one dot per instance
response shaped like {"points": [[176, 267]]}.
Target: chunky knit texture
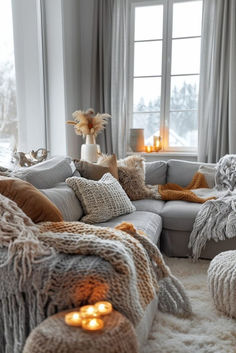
{"points": [[41, 273], [54, 336], [222, 282], [216, 219], [226, 173], [101, 200]]}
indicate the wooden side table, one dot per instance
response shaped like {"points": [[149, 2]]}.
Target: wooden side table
{"points": [[54, 336]]}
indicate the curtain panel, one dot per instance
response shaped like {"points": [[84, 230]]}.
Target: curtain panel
{"points": [[217, 90], [101, 67]]}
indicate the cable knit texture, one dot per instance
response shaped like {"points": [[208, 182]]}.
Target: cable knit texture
{"points": [[216, 219], [222, 282], [54, 336], [41, 273]]}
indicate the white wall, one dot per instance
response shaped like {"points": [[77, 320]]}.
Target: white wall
{"points": [[30, 101]]}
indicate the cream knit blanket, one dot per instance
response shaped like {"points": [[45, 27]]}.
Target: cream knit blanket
{"points": [[41, 273]]}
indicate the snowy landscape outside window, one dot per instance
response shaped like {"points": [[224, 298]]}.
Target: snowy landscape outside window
{"points": [[165, 67], [8, 110]]}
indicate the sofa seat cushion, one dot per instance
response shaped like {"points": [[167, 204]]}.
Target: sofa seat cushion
{"points": [[179, 215], [148, 205], [148, 222], [66, 201]]}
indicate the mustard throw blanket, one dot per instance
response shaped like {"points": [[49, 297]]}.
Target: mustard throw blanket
{"points": [[189, 193]]}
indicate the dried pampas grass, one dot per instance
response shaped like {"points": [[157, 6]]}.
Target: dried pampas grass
{"points": [[87, 123]]}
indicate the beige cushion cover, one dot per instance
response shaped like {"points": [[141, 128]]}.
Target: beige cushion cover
{"points": [[101, 200], [34, 204], [94, 171]]}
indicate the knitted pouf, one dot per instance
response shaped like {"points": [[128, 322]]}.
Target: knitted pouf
{"points": [[222, 282], [54, 336]]}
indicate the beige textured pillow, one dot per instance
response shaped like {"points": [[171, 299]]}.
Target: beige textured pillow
{"points": [[94, 171], [132, 178], [101, 200]]}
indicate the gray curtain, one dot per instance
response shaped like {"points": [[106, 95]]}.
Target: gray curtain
{"points": [[217, 91], [101, 67]]}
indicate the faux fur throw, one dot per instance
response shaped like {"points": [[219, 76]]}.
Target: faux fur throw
{"points": [[216, 219], [41, 273]]}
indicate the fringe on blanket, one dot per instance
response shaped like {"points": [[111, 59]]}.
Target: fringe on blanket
{"points": [[215, 220]]}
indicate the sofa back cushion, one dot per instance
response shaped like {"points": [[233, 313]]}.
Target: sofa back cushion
{"points": [[155, 172], [46, 174], [182, 172], [66, 201], [33, 203]]}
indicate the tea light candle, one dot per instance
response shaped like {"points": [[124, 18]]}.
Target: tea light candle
{"points": [[148, 149], [88, 311], [73, 319], [92, 324], [103, 308]]}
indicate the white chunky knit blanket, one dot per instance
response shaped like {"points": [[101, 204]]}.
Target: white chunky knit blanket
{"points": [[216, 219], [41, 274]]}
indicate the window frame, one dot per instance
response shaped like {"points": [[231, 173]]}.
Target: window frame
{"points": [[166, 68]]}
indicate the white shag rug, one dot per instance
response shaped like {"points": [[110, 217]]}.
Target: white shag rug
{"points": [[207, 331]]}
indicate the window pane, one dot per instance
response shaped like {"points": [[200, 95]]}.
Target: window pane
{"points": [[185, 56], [183, 129], [187, 19], [8, 115], [148, 22], [147, 94], [147, 58], [150, 122], [184, 92]]}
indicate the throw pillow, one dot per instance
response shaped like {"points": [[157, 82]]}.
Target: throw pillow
{"points": [[66, 201], [48, 173], [94, 171], [33, 203], [101, 200], [132, 178]]}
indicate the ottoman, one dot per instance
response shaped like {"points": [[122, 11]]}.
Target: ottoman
{"points": [[222, 282], [54, 336]]}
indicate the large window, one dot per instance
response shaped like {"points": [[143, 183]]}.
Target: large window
{"points": [[165, 66], [8, 112]]}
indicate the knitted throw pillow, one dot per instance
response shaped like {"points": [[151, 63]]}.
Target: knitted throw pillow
{"points": [[101, 200]]}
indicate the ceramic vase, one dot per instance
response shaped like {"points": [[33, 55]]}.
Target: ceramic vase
{"points": [[137, 140], [90, 150]]}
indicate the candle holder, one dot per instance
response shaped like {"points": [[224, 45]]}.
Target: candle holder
{"points": [[156, 143], [148, 149], [92, 324], [103, 308], [73, 319]]}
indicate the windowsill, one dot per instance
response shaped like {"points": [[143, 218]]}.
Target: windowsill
{"points": [[165, 154]]}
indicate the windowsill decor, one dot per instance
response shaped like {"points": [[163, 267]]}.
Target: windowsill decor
{"points": [[89, 125]]}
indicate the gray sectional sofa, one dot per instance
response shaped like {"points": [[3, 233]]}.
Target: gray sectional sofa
{"points": [[167, 224]]}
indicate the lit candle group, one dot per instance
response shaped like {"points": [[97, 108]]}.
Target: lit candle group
{"points": [[156, 145], [89, 316]]}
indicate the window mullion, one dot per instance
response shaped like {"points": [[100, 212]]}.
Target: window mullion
{"points": [[168, 72]]}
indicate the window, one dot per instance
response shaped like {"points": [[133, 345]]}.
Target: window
{"points": [[165, 67], [8, 111]]}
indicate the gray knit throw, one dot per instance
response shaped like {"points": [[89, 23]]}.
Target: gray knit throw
{"points": [[216, 219], [41, 274]]}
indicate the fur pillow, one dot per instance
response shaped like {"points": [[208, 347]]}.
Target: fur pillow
{"points": [[132, 178], [94, 171]]}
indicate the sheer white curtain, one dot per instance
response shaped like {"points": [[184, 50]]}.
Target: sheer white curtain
{"points": [[217, 93], [119, 78]]}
